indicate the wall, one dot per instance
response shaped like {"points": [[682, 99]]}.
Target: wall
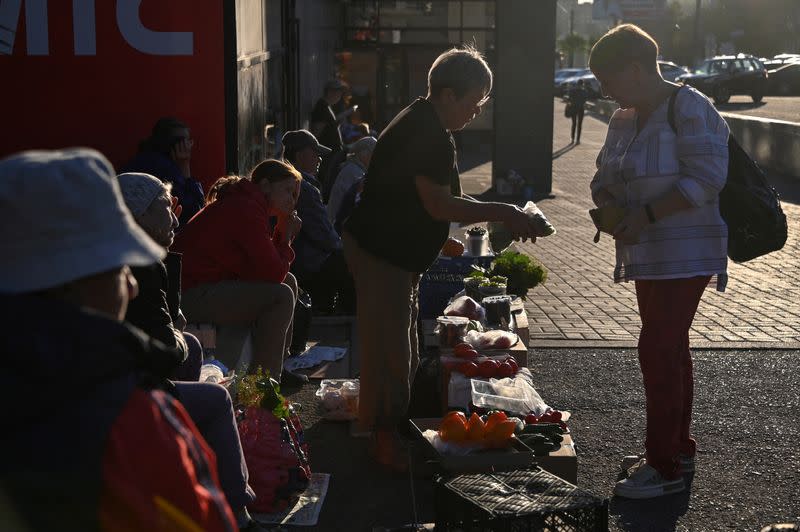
{"points": [[68, 82], [320, 39], [773, 144]]}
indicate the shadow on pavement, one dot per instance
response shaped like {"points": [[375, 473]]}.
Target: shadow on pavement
{"points": [[652, 515], [361, 494], [562, 151]]}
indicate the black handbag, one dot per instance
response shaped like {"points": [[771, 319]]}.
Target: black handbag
{"points": [[569, 110], [749, 205]]}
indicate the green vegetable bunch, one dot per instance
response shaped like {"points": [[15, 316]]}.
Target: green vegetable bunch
{"points": [[259, 389], [522, 272]]}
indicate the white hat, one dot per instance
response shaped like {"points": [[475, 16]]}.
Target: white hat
{"points": [[139, 190], [62, 218]]}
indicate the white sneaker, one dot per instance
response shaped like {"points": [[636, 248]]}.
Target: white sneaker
{"points": [[627, 462], [645, 483]]}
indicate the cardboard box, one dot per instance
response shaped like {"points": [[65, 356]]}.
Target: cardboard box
{"points": [[517, 456], [563, 463]]}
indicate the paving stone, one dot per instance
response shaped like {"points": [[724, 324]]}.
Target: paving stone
{"points": [[761, 304]]}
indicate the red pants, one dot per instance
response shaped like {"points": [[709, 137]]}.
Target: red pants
{"points": [[667, 308]]}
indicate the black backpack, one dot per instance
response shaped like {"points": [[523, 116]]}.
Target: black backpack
{"points": [[749, 205]]}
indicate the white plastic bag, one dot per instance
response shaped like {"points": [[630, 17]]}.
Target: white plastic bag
{"points": [[500, 237], [515, 394]]}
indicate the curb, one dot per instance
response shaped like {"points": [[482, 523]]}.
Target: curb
{"points": [[697, 345]]}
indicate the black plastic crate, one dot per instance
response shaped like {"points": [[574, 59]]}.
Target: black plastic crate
{"points": [[443, 280], [526, 499]]}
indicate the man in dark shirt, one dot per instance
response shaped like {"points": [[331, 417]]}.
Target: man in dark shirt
{"points": [[324, 125], [412, 192]]}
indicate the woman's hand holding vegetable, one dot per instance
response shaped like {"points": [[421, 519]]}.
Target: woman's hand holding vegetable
{"points": [[519, 223]]}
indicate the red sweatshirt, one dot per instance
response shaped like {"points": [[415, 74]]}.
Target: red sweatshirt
{"points": [[230, 239]]}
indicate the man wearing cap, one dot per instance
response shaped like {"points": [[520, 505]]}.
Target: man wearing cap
{"points": [[319, 263], [90, 442]]}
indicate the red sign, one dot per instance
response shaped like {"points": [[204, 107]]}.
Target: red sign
{"points": [[99, 74]]}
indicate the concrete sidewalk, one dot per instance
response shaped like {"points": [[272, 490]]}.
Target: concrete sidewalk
{"points": [[581, 306]]}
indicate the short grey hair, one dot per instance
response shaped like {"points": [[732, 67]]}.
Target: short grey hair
{"points": [[364, 145], [460, 69]]}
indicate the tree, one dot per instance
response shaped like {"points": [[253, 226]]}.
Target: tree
{"points": [[570, 44]]}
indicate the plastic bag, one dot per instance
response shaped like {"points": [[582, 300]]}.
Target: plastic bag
{"points": [[277, 458], [515, 394], [500, 237], [494, 339], [466, 307], [339, 399], [211, 373]]}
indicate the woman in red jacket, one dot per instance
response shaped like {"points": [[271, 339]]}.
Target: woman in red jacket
{"points": [[236, 263]]}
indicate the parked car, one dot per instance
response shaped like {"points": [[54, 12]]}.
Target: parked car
{"points": [[590, 83], [723, 76], [560, 76], [670, 71], [784, 80], [562, 85]]}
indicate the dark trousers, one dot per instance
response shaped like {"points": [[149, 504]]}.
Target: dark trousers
{"points": [[667, 308], [190, 369], [330, 288], [577, 122], [210, 407]]}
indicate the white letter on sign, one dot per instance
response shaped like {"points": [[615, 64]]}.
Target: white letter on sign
{"points": [[35, 26], [146, 40]]}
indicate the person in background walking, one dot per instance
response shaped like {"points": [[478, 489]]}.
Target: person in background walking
{"points": [[671, 241], [576, 98]]}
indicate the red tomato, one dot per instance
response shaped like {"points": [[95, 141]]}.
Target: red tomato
{"points": [[531, 419], [460, 348], [505, 370], [488, 368], [470, 355], [513, 364], [469, 369], [551, 416]]}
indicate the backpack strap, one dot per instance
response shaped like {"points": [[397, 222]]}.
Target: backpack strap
{"points": [[671, 110]]}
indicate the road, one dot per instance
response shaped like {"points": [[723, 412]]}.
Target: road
{"points": [[773, 107]]}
